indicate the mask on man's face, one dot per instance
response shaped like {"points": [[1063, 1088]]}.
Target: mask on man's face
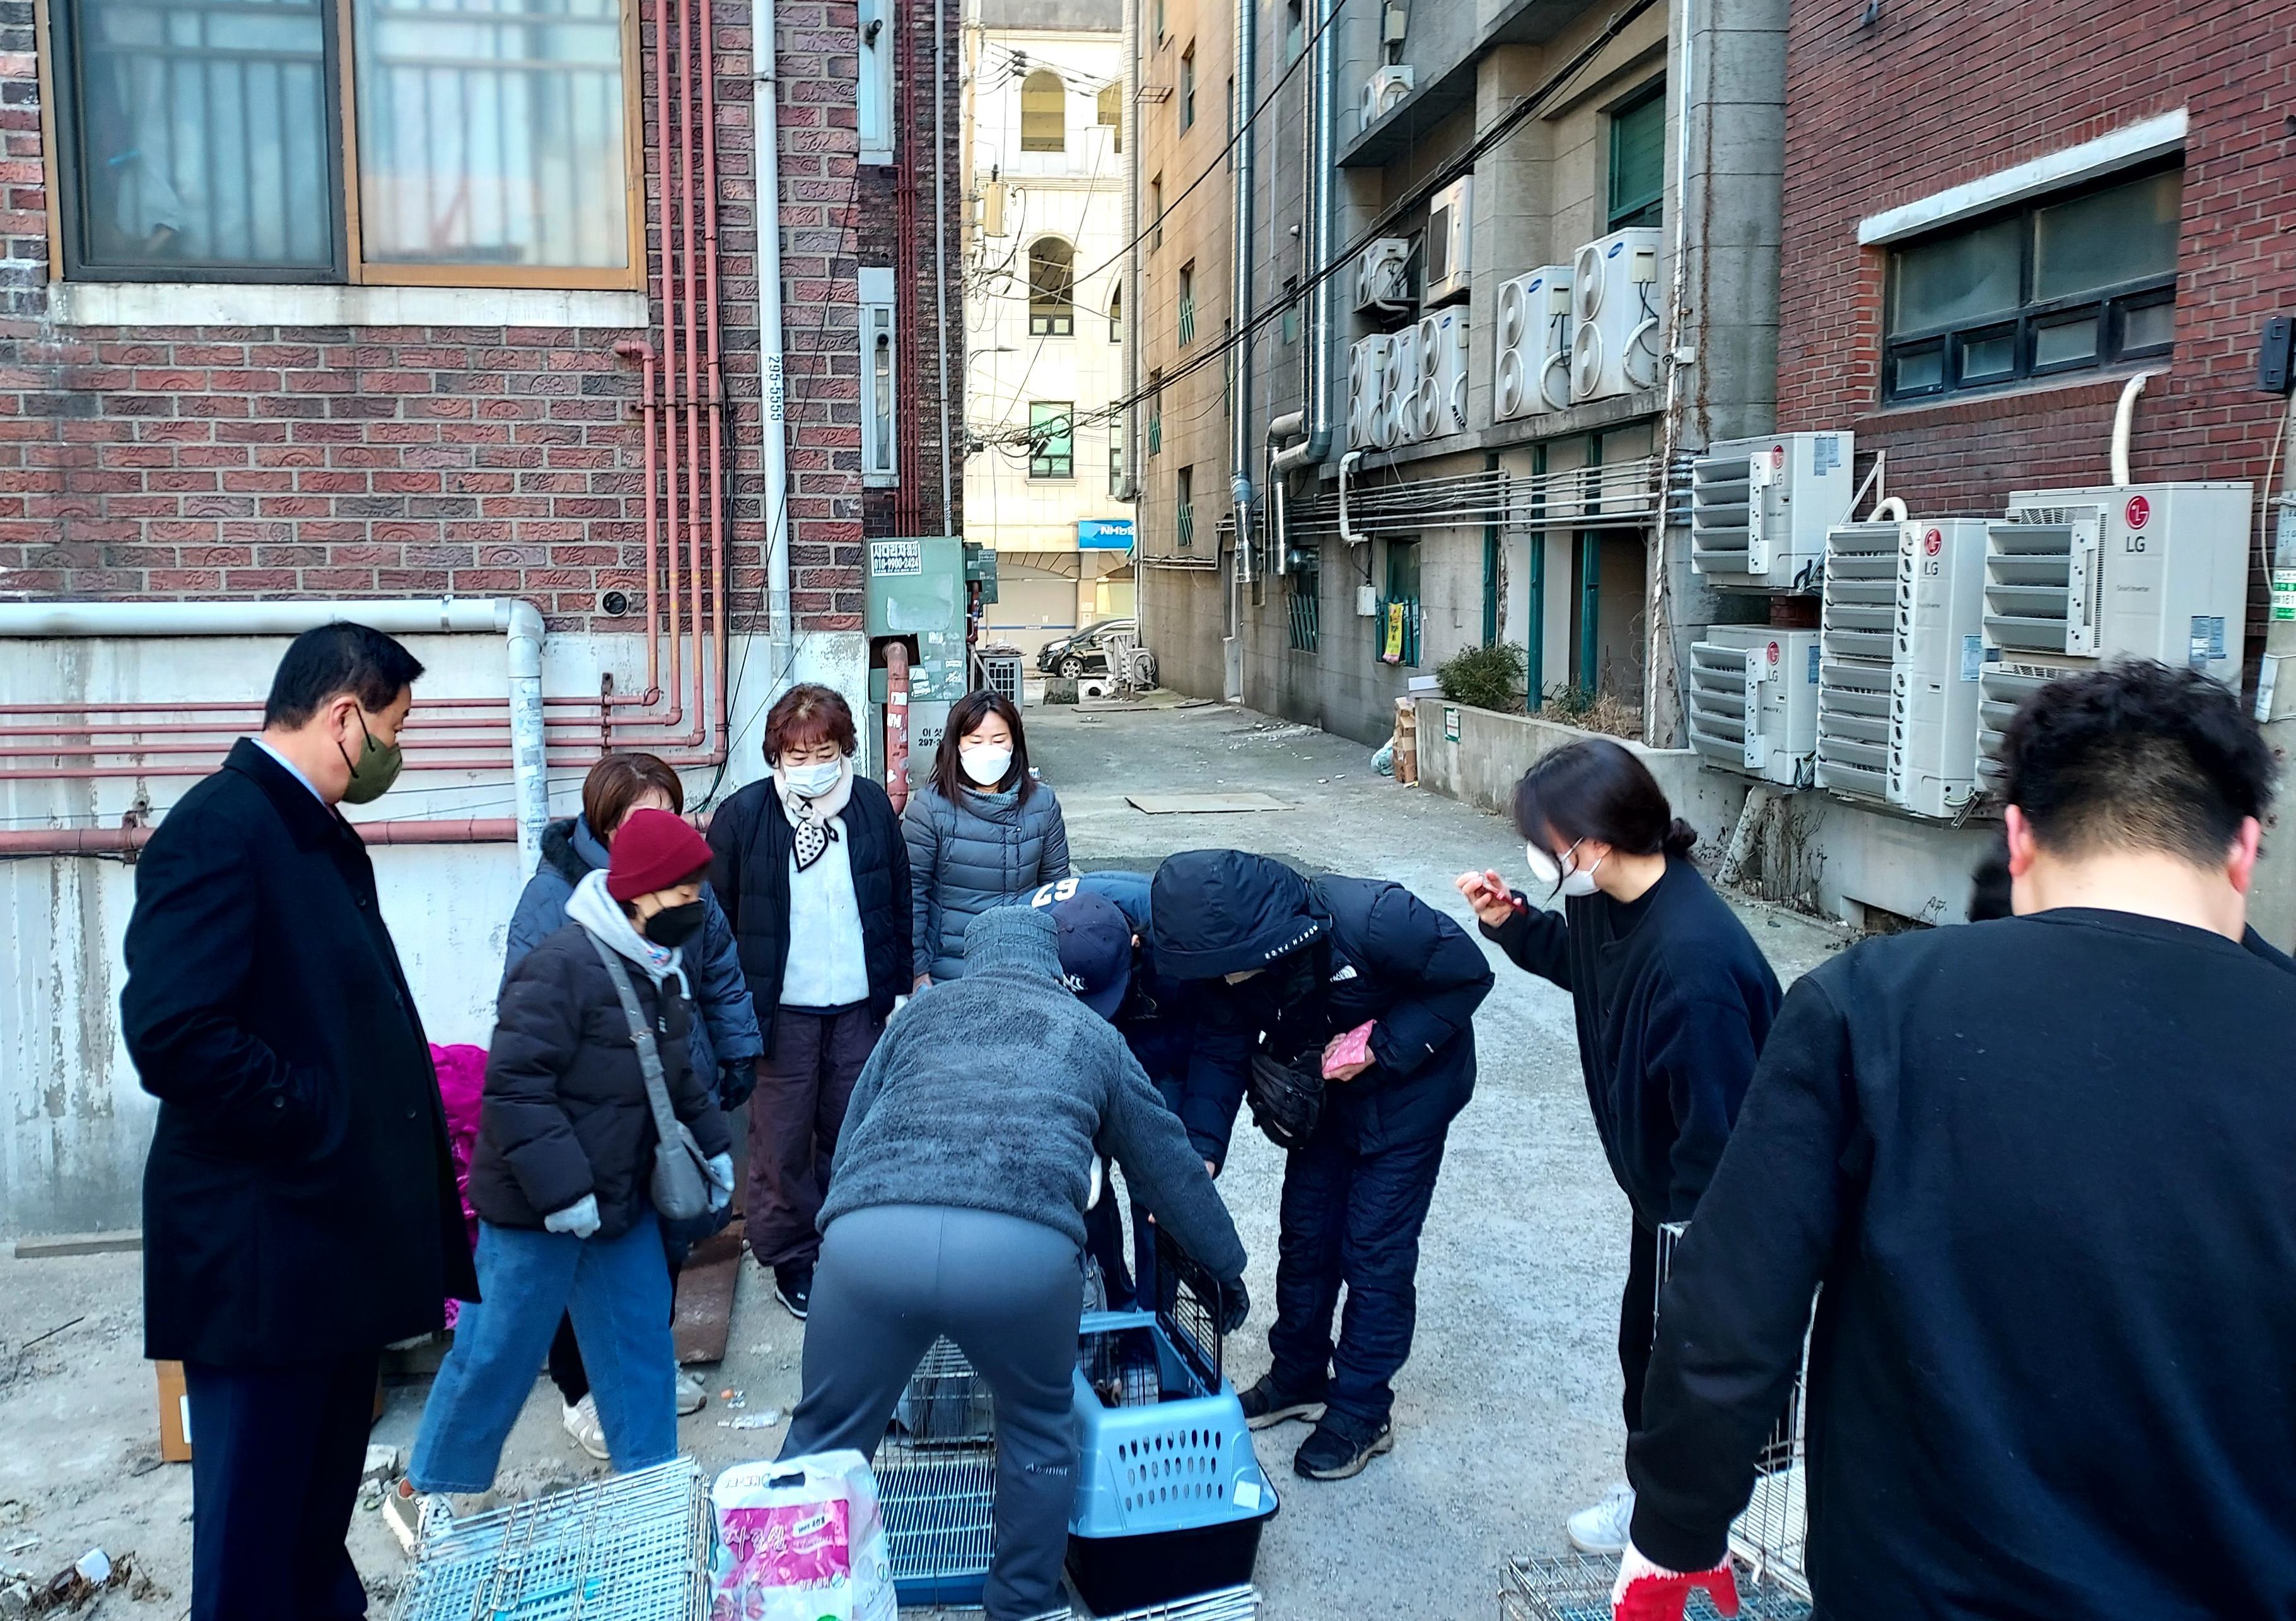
{"points": [[375, 770]]}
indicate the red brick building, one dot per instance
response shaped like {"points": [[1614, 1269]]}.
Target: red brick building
{"points": [[1993, 215], [350, 297]]}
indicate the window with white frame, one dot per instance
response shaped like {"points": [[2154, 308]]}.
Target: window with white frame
{"points": [[872, 95], [1052, 288], [481, 142], [1052, 438], [1043, 113], [880, 384]]}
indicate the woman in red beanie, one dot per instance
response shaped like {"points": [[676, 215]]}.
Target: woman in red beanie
{"points": [[560, 1176]]}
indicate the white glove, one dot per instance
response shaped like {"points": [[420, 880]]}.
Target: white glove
{"points": [[720, 1167], [580, 1218]]}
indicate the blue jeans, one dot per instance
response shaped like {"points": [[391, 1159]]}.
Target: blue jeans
{"points": [[618, 1293]]}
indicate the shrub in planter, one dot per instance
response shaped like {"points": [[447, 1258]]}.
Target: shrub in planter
{"points": [[1487, 677]]}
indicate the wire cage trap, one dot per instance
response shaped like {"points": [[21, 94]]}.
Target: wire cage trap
{"points": [[633, 1547], [1576, 1587], [936, 1473], [1226, 1604]]}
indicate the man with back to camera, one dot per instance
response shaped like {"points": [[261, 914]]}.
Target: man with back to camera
{"points": [[299, 1207], [2041, 1169]]}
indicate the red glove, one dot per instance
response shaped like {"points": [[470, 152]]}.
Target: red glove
{"points": [[1644, 1592]]}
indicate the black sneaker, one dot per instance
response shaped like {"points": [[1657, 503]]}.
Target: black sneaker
{"points": [[1333, 1453], [794, 1287], [1267, 1404]]}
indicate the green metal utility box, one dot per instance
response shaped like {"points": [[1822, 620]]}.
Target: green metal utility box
{"points": [[916, 595]]}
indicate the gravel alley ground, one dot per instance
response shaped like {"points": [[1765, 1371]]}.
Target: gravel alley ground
{"points": [[1506, 1418]]}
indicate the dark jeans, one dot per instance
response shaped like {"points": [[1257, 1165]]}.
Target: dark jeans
{"points": [[893, 1278], [1350, 1218], [276, 1454], [1638, 1319], [566, 1369], [795, 1114]]}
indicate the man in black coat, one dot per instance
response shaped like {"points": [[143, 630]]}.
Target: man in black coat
{"points": [[2040, 1167], [300, 1209], [1305, 963]]}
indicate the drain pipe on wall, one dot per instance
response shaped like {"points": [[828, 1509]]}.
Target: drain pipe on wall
{"points": [[948, 523], [1240, 443], [1661, 675], [1315, 415], [781, 637], [2124, 423], [516, 622]]}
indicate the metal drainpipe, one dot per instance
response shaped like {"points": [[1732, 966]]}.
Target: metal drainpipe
{"points": [[1131, 130], [774, 444], [948, 523], [1239, 493], [1321, 125]]}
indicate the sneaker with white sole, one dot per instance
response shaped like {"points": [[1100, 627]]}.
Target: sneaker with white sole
{"points": [[1608, 1526], [411, 1515], [581, 1422], [693, 1394]]}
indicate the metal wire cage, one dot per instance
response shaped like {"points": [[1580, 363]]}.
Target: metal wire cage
{"points": [[1187, 1304], [936, 1473], [1576, 1587], [1227, 1604], [633, 1547]]}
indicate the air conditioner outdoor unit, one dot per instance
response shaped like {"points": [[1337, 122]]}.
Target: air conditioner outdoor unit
{"points": [[1897, 681], [2075, 577], [1532, 371], [1441, 404], [1759, 508], [1614, 332], [1368, 421], [1450, 238], [1402, 388], [1383, 93], [1753, 701], [1384, 275]]}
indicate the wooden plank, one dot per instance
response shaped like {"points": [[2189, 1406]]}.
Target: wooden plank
{"points": [[1203, 804], [705, 1296], [126, 1239]]}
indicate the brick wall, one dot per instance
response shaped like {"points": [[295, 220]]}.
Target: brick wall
{"points": [[486, 460], [1936, 93]]}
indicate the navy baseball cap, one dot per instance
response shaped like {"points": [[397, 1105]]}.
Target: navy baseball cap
{"points": [[1095, 941]]}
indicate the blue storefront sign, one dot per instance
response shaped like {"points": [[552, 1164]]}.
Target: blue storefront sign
{"points": [[1105, 534]]}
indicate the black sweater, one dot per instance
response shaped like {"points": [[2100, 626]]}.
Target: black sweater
{"points": [[2042, 1168], [1672, 1001]]}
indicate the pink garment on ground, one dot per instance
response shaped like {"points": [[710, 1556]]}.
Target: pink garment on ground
{"points": [[462, 1073]]}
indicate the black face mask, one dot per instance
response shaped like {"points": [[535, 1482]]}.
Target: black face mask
{"points": [[674, 925]]}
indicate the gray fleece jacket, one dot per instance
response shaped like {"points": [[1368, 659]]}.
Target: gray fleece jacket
{"points": [[996, 1092]]}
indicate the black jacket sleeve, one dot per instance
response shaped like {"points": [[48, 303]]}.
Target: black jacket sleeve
{"points": [[729, 841], [1440, 976], [1702, 1049], [1734, 1315], [191, 948], [1219, 1068], [537, 1029], [1537, 941], [1164, 1169], [694, 1097]]}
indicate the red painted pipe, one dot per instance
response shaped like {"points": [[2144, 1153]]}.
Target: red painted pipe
{"points": [[896, 725], [117, 840]]}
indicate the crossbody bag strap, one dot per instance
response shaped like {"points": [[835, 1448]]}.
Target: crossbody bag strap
{"points": [[665, 1118]]}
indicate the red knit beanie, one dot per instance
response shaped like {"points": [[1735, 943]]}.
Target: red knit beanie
{"points": [[653, 849]]}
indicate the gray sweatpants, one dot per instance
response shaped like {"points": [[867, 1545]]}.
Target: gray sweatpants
{"points": [[894, 1278]]}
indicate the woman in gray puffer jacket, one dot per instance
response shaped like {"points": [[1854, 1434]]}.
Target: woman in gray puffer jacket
{"points": [[984, 833]]}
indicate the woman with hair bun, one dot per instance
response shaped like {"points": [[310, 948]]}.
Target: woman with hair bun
{"points": [[1673, 998]]}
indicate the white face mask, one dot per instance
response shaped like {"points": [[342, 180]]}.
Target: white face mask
{"points": [[1580, 881], [812, 781], [985, 763]]}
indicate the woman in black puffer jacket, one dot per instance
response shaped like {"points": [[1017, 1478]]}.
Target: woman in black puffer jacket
{"points": [[565, 1152]]}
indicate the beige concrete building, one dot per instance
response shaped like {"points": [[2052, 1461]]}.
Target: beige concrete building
{"points": [[1043, 279]]}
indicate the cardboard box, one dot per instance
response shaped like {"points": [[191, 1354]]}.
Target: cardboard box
{"points": [[174, 1414]]}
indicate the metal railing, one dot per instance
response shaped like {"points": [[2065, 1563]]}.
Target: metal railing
{"points": [[1184, 525], [1303, 611], [1187, 321]]}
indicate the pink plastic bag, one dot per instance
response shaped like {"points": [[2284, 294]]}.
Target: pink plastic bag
{"points": [[799, 1540], [1353, 1048]]}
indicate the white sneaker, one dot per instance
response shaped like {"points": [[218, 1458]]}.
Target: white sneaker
{"points": [[1606, 1527], [411, 1515], [581, 1422], [693, 1394]]}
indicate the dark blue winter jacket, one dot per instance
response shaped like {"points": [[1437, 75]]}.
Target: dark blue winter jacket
{"points": [[726, 1032], [1337, 952], [1197, 1057]]}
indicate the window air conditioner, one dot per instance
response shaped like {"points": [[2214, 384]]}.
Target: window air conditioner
{"points": [[1450, 241], [1532, 369], [1384, 275], [1614, 334], [1367, 415], [1441, 405], [1896, 682], [1383, 93], [2074, 578], [1759, 508], [1753, 701], [1403, 388]]}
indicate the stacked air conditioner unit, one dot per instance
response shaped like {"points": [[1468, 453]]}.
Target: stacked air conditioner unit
{"points": [[1532, 344], [1450, 238], [1439, 406], [1384, 275], [1370, 427], [1753, 701], [1614, 335], [1897, 681], [1759, 508], [1403, 378], [2077, 578], [1384, 92]]}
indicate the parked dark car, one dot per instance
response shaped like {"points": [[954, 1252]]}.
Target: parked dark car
{"points": [[1087, 651]]}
